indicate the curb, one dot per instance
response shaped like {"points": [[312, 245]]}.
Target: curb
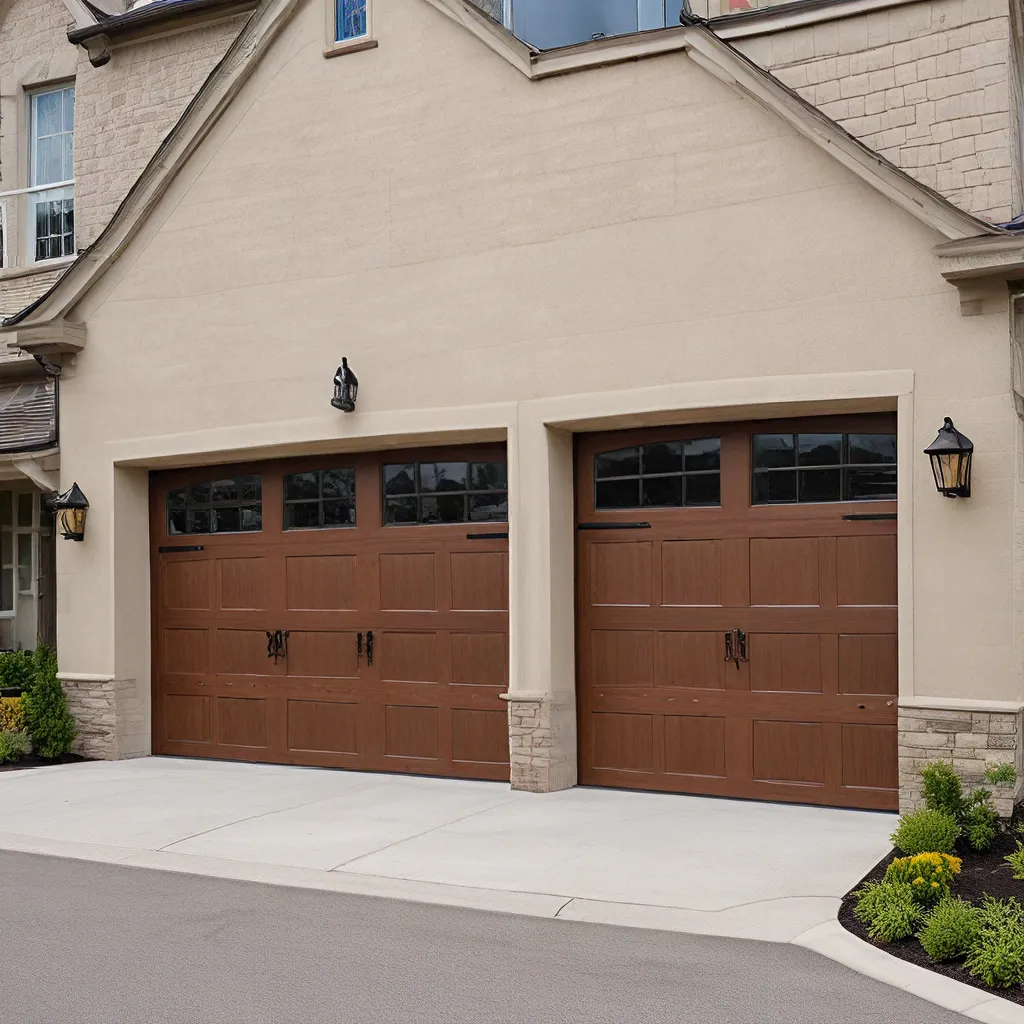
{"points": [[832, 940]]}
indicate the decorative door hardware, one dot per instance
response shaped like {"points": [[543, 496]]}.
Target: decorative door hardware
{"points": [[369, 647], [613, 526], [486, 536], [169, 549], [735, 646], [277, 644], [359, 645], [868, 517]]}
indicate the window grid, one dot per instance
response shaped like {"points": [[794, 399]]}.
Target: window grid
{"points": [[663, 474], [52, 212], [230, 505], [428, 493], [320, 499]]}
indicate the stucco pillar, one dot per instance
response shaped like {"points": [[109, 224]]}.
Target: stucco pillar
{"points": [[542, 687]]}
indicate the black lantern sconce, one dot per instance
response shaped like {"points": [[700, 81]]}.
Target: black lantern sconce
{"points": [[346, 384], [71, 507], [951, 454]]}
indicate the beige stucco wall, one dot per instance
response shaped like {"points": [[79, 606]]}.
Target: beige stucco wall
{"points": [[495, 256]]}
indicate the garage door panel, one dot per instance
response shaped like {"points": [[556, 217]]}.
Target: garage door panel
{"points": [[186, 718], [620, 573], [244, 584], [789, 752], [479, 659], [870, 757], [408, 582], [691, 572], [479, 581], [187, 585], [321, 582], [620, 657], [186, 650], [412, 731], [323, 726], [322, 654], [691, 659], [410, 657], [869, 664], [866, 570], [787, 662], [622, 742], [694, 746], [784, 571], [242, 721], [243, 652], [479, 736]]}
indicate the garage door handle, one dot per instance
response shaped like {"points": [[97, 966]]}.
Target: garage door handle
{"points": [[369, 647], [613, 526], [359, 645]]}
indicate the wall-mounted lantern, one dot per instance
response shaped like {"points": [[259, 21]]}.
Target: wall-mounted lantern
{"points": [[71, 507], [951, 454], [346, 385]]}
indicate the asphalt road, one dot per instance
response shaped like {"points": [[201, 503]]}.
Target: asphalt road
{"points": [[85, 943]]}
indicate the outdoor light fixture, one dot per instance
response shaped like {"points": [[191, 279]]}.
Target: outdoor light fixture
{"points": [[71, 507], [346, 385], [951, 454]]}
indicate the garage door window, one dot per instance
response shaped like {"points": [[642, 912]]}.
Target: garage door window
{"points": [[665, 474], [794, 468], [320, 499], [445, 492], [217, 506]]}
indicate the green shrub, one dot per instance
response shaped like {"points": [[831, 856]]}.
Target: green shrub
{"points": [[13, 747], [12, 714], [926, 831], [951, 929], [980, 821], [1016, 861], [997, 955], [928, 875], [974, 813], [943, 789], [888, 909], [997, 773], [16, 670], [46, 710]]}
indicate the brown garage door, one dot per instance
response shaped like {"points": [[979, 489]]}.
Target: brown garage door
{"points": [[347, 611], [737, 610]]}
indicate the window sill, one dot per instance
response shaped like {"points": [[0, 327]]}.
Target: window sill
{"points": [[349, 46], [41, 267]]}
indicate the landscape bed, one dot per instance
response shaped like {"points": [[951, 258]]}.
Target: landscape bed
{"points": [[34, 761]]}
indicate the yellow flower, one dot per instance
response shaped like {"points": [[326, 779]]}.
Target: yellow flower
{"points": [[918, 880], [935, 885]]}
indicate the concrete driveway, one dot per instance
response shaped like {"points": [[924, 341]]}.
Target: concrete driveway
{"points": [[696, 864]]}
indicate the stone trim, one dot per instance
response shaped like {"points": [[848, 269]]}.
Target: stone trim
{"points": [[111, 715], [969, 740], [542, 742]]}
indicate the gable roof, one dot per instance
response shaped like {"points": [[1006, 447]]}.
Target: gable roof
{"points": [[694, 37]]}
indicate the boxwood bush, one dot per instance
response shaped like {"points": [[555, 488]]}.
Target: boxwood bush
{"points": [[997, 955], [888, 909], [951, 929], [926, 831], [13, 747]]}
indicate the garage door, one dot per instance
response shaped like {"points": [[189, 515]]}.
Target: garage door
{"points": [[736, 610], [340, 611]]}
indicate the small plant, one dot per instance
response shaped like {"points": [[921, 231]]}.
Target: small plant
{"points": [[13, 747], [997, 955], [943, 791], [926, 832], [951, 929], [16, 670], [927, 874], [888, 909], [12, 714], [999, 773], [46, 709], [1016, 861]]}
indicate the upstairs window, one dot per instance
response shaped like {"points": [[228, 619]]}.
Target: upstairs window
{"points": [[51, 205], [350, 20]]}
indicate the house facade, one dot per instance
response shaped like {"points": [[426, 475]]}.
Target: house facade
{"points": [[649, 345]]}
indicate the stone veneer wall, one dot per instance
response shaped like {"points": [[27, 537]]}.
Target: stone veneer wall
{"points": [[970, 740], [23, 289], [111, 718], [542, 743]]}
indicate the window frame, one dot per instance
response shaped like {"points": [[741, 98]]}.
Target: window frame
{"points": [[335, 47], [16, 532], [319, 500], [212, 506], [27, 210], [418, 459], [640, 476]]}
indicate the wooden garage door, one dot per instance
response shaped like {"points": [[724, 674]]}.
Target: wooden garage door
{"points": [[387, 578], [737, 610]]}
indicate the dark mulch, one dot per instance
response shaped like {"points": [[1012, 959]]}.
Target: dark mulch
{"points": [[35, 761], [982, 874]]}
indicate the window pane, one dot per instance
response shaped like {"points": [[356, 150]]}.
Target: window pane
{"points": [[873, 448], [819, 484], [772, 450], [177, 521], [200, 494], [820, 449], [251, 517], [339, 483], [488, 508], [226, 520], [48, 113], [251, 488], [772, 488], [303, 515], [447, 508], [550, 23], [351, 19], [705, 489], [6, 548], [6, 508], [442, 476], [663, 490], [24, 563], [663, 457], [618, 494], [400, 510], [224, 490], [7, 590], [24, 509], [339, 513], [301, 485], [177, 499], [702, 454], [624, 462], [400, 480], [488, 476], [69, 109], [868, 485], [199, 520]]}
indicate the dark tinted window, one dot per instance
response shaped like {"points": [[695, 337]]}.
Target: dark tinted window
{"points": [[445, 492], [225, 505], [320, 499], [818, 467], [663, 474]]}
